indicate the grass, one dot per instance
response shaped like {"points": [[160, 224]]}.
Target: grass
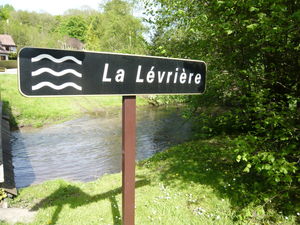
{"points": [[191, 183], [40, 111]]}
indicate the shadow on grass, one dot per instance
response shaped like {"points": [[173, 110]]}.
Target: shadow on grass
{"points": [[210, 163], [75, 197]]}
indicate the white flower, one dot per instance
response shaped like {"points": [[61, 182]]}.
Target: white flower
{"points": [[199, 211]]}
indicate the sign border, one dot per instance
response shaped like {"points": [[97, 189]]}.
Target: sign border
{"points": [[109, 53]]}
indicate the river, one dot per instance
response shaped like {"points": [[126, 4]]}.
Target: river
{"points": [[86, 148]]}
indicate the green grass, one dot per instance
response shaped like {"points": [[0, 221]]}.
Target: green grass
{"points": [[40, 111], [187, 184], [192, 183]]}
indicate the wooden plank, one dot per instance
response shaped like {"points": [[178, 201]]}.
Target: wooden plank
{"points": [[128, 158]]}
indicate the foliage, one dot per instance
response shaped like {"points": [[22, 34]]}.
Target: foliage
{"points": [[73, 26], [5, 11], [32, 29], [158, 100], [113, 28], [2, 194], [252, 51], [209, 163], [13, 56], [9, 64], [194, 182], [116, 30]]}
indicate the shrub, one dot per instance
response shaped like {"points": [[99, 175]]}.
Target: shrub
{"points": [[9, 64]]}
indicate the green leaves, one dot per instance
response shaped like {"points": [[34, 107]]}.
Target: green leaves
{"points": [[229, 31], [247, 168], [116, 30], [113, 29], [252, 26], [73, 26], [253, 9], [2, 194], [252, 48], [5, 11]]}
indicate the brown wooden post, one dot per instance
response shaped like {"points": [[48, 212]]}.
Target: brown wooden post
{"points": [[128, 158]]}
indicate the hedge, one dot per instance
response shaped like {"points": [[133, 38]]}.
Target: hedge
{"points": [[9, 64]]}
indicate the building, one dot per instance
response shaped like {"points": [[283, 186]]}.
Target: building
{"points": [[7, 46]]}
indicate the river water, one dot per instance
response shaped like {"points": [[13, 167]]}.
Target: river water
{"points": [[86, 148]]}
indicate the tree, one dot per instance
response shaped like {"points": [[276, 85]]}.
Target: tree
{"points": [[112, 29], [252, 50], [73, 26], [5, 11], [116, 29], [94, 33], [32, 29]]}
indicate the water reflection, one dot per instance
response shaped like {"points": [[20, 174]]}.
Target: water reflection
{"points": [[86, 148]]}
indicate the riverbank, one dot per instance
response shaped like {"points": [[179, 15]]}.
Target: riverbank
{"points": [[192, 183], [196, 182], [37, 112]]}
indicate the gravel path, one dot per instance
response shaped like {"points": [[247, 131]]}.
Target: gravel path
{"points": [[9, 71], [16, 215]]}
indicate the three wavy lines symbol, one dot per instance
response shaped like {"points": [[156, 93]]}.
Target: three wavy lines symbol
{"points": [[56, 87], [56, 60], [54, 73]]}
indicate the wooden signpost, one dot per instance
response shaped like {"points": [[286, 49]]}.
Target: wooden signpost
{"points": [[52, 72]]}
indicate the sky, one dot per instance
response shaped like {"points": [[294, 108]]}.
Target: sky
{"points": [[54, 7]]}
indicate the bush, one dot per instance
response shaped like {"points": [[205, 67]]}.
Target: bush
{"points": [[252, 48], [9, 64], [13, 56], [158, 100], [2, 194]]}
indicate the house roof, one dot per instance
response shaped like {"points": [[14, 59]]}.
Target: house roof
{"points": [[6, 39], [3, 51]]}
